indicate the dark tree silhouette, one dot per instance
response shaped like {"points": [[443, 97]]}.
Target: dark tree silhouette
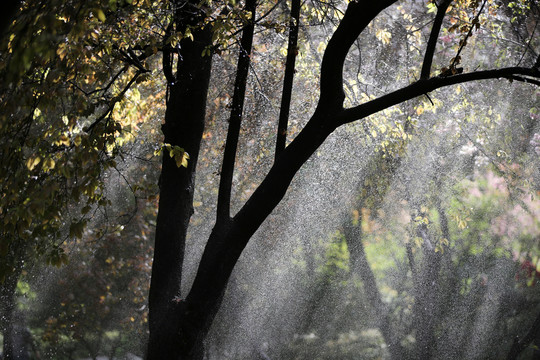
{"points": [[180, 322]]}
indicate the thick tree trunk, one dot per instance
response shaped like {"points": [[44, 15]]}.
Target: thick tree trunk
{"points": [[184, 126]]}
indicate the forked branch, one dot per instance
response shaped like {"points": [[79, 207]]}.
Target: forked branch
{"points": [[113, 102], [357, 17]]}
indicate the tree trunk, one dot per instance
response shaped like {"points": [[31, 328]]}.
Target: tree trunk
{"points": [[360, 266], [229, 238], [7, 312], [425, 310], [184, 126]]}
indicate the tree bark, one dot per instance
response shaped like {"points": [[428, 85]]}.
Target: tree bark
{"points": [[184, 126]]}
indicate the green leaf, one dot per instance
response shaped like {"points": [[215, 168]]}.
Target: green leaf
{"points": [[76, 229], [101, 15]]}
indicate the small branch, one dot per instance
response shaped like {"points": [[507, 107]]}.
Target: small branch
{"points": [[268, 12], [113, 102], [434, 35], [132, 59], [167, 59], [292, 50], [529, 47], [525, 80], [475, 20], [429, 98], [106, 88], [233, 134]]}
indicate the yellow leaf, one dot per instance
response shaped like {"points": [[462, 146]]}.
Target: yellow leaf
{"points": [[383, 36], [64, 140], [181, 159], [48, 164], [321, 47], [185, 160], [32, 162]]}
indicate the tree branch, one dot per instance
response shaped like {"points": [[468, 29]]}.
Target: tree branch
{"points": [[292, 50], [233, 134], [475, 21], [357, 17], [228, 240], [423, 86], [113, 102], [167, 58], [132, 59], [433, 36]]}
